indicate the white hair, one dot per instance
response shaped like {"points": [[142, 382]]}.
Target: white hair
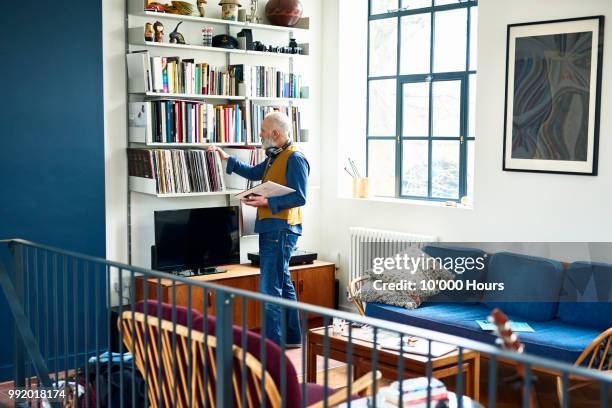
{"points": [[280, 122]]}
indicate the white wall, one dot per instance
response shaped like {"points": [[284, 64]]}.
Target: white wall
{"points": [[115, 100], [508, 206]]}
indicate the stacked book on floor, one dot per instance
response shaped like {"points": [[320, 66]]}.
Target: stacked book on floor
{"points": [[414, 393], [175, 171], [259, 112], [180, 121], [267, 82], [176, 75]]}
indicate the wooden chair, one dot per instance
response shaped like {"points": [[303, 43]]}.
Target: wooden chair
{"points": [[353, 290], [203, 361], [599, 355]]}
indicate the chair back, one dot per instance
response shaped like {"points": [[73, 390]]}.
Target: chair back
{"points": [[598, 355], [186, 362]]}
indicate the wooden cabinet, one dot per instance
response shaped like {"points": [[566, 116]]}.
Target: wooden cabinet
{"points": [[314, 284]]}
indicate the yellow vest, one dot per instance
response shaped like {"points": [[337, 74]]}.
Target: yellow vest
{"points": [[278, 174]]}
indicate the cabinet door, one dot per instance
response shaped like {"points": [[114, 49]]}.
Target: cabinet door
{"points": [[253, 308], [316, 286]]}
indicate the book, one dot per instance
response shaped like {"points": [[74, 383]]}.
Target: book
{"points": [[515, 326], [267, 189], [139, 72]]}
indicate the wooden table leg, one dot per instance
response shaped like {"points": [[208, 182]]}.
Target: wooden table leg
{"points": [[476, 379], [311, 363]]}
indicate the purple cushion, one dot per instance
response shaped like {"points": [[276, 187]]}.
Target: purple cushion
{"points": [[166, 312], [314, 393], [273, 359]]}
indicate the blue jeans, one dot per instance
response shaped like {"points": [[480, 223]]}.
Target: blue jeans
{"points": [[275, 249]]}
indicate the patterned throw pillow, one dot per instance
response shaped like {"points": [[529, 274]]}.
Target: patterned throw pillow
{"points": [[425, 270]]}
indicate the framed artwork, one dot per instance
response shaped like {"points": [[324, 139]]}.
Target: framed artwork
{"points": [[553, 90]]}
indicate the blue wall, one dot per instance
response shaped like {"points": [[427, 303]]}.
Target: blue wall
{"points": [[52, 136]]}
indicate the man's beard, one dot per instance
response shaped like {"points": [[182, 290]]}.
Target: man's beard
{"points": [[267, 143]]}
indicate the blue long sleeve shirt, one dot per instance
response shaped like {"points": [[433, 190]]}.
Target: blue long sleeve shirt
{"points": [[298, 170]]}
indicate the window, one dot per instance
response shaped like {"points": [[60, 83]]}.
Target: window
{"points": [[421, 98]]}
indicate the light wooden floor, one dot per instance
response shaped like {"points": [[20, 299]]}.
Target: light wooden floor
{"points": [[507, 397]]}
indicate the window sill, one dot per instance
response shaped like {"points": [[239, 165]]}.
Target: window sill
{"points": [[405, 201]]}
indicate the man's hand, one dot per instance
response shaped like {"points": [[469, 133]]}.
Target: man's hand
{"points": [[256, 201], [224, 156]]}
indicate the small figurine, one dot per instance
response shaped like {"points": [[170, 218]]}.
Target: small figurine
{"points": [[159, 31], [201, 4], [253, 15], [176, 37], [229, 9], [148, 32]]}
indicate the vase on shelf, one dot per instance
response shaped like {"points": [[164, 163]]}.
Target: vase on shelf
{"points": [[229, 9], [284, 13]]}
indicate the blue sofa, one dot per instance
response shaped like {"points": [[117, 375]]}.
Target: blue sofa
{"points": [[564, 326]]}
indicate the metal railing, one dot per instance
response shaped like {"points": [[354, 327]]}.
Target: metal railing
{"points": [[61, 306]]}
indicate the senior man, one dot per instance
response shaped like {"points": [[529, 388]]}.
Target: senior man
{"points": [[279, 219]]}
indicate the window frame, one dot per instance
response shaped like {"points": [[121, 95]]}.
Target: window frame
{"points": [[464, 76]]}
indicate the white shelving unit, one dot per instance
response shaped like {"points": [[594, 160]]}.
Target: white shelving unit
{"points": [[135, 38], [136, 9], [148, 187]]}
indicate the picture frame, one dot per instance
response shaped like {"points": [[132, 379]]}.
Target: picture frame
{"points": [[553, 94]]}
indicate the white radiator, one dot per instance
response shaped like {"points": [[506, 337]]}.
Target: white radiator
{"points": [[369, 243]]}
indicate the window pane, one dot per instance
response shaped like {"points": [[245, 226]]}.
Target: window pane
{"points": [[383, 6], [383, 47], [450, 40], [382, 108], [472, 107], [470, 170], [381, 167], [416, 44], [414, 4], [445, 169], [443, 2], [473, 38], [416, 109], [415, 168], [446, 108]]}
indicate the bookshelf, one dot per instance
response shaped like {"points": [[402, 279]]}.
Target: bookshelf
{"points": [[137, 16], [143, 195]]}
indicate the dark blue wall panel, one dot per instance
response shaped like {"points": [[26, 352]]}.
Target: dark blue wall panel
{"points": [[51, 137]]}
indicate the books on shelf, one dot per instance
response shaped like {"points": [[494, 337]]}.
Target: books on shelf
{"points": [[269, 82], [181, 121], [259, 112], [180, 76], [178, 171]]}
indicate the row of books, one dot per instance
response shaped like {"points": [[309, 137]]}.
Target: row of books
{"points": [[176, 75], [177, 121], [185, 76], [259, 112], [268, 82], [178, 171]]}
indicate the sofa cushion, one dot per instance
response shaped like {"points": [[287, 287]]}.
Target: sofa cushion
{"points": [[475, 273], [391, 286], [531, 285], [586, 296], [553, 339]]}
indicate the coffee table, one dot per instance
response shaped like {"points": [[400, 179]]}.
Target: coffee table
{"points": [[415, 365]]}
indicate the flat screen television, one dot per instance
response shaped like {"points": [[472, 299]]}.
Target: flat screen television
{"points": [[196, 239]]}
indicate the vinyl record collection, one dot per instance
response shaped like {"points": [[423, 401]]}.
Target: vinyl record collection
{"points": [[178, 171]]}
